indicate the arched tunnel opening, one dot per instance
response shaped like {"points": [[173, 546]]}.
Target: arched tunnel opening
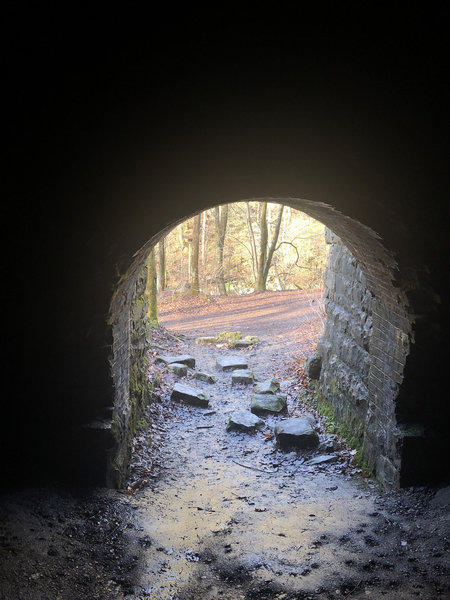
{"points": [[368, 341]]}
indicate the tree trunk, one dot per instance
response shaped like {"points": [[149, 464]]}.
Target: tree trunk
{"points": [[195, 284], [265, 254], [151, 290], [221, 219], [273, 244], [260, 279], [162, 278]]}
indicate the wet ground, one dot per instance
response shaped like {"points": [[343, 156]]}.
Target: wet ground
{"points": [[231, 516], [210, 514]]}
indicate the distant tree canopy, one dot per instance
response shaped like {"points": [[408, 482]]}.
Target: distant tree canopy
{"points": [[243, 247]]}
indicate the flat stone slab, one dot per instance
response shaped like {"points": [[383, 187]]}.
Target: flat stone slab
{"points": [[183, 359], [206, 340], [268, 386], [178, 369], [322, 459], [242, 376], [230, 363], [243, 420], [296, 432], [206, 377], [191, 395], [267, 403]]}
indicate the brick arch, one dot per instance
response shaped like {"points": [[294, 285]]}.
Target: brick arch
{"points": [[390, 343]]}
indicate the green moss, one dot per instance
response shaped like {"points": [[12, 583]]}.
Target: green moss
{"points": [[230, 336], [325, 408]]}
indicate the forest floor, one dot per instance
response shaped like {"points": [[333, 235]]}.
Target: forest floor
{"points": [[212, 514]]}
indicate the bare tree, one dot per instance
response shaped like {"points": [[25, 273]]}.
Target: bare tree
{"points": [[221, 219], [264, 255], [162, 277], [194, 278], [152, 289]]}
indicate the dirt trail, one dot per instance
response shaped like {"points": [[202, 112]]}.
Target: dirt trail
{"points": [[233, 517], [210, 514]]}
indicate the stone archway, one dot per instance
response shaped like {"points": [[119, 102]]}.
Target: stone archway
{"points": [[361, 378]]}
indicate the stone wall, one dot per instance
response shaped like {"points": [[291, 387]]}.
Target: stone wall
{"points": [[364, 350], [107, 440]]}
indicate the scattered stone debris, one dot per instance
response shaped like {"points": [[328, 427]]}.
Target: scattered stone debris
{"points": [[268, 386], [243, 420], [321, 459], [267, 403], [244, 376], [296, 432], [191, 395], [230, 363], [206, 377], [183, 359], [178, 369]]}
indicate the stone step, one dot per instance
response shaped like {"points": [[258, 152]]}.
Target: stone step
{"points": [[230, 363], [178, 369], [190, 395], [296, 432], [268, 386], [267, 403], [183, 359], [243, 420], [206, 377], [242, 376]]}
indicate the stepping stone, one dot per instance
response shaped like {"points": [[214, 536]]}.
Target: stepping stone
{"points": [[323, 458], [206, 377], [191, 395], [244, 420], [242, 376], [178, 369], [230, 363], [267, 403], [206, 340], [246, 342], [183, 359], [296, 432], [269, 386]]}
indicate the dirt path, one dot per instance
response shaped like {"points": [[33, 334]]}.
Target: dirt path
{"points": [[210, 514], [231, 516]]}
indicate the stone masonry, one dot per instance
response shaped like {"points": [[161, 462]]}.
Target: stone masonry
{"points": [[364, 350]]}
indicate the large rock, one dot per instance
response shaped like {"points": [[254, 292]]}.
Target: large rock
{"points": [[230, 363], [206, 377], [296, 432], [242, 376], [191, 395], [183, 359], [267, 403], [313, 366], [178, 369], [244, 420], [269, 386]]}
